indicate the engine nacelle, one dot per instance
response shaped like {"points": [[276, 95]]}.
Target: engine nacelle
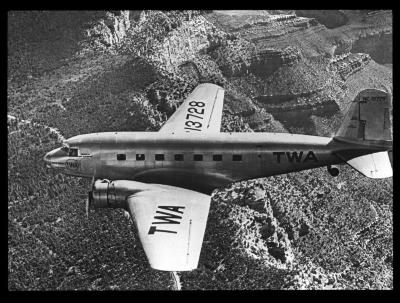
{"points": [[111, 194]]}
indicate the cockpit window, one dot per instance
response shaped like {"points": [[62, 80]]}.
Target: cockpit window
{"points": [[65, 149], [73, 152]]}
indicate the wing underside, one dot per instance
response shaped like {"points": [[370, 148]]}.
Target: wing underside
{"points": [[171, 223], [201, 111]]}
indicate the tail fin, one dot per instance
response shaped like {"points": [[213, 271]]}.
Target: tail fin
{"points": [[368, 117], [368, 123]]}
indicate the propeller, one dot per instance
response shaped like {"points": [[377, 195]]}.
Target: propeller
{"points": [[87, 207], [88, 199]]}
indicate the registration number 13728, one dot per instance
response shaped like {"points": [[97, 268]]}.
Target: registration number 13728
{"points": [[194, 113]]}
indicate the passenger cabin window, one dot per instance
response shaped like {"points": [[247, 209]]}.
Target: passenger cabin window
{"points": [[140, 157], [179, 157], [159, 157], [198, 157], [217, 157], [236, 157], [73, 152], [121, 157]]}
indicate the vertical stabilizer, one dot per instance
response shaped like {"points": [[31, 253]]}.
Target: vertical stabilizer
{"points": [[368, 117], [368, 126]]}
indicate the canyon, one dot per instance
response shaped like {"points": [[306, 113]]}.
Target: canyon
{"points": [[282, 71]]}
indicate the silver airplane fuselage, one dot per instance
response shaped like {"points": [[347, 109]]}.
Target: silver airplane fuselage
{"points": [[165, 179], [202, 162]]}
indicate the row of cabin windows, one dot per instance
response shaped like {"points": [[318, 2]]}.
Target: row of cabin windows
{"points": [[179, 157]]}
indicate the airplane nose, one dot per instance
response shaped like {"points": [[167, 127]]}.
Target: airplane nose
{"points": [[55, 158], [47, 158]]}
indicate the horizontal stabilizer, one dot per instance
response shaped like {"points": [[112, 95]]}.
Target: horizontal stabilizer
{"points": [[375, 165]]}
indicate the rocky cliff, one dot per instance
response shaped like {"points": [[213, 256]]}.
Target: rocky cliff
{"points": [[283, 71]]}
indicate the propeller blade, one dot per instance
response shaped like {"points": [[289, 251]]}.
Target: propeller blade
{"points": [[87, 204], [91, 184]]}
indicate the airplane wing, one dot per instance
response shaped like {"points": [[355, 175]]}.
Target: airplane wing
{"points": [[171, 222], [201, 111]]}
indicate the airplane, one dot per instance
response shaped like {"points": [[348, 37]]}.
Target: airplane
{"points": [[165, 179]]}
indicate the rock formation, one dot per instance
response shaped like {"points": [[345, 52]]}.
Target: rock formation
{"points": [[111, 30]]}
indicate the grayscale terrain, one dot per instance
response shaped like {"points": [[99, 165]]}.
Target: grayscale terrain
{"points": [[283, 71]]}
